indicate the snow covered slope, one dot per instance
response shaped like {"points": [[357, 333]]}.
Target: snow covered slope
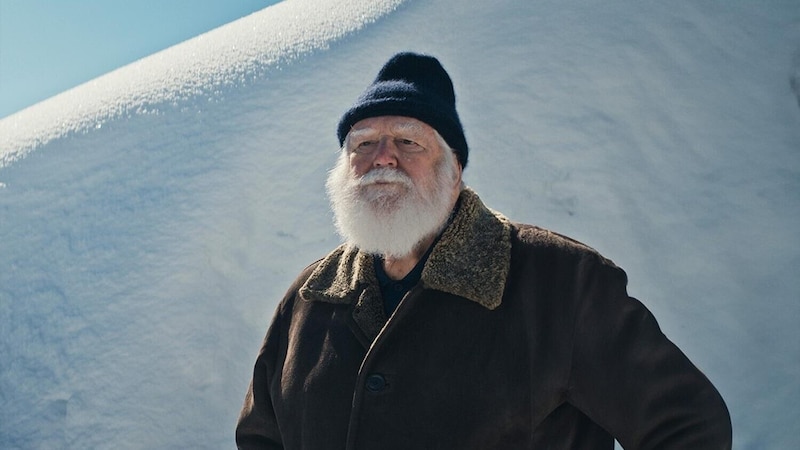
{"points": [[150, 219]]}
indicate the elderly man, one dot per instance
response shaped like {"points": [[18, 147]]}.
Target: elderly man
{"points": [[440, 324]]}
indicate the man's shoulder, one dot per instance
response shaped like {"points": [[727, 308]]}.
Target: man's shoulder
{"points": [[539, 239], [291, 295], [535, 235], [331, 258]]}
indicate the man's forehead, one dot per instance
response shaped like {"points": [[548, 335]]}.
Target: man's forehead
{"points": [[389, 123]]}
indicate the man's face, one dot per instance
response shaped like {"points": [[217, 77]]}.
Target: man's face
{"points": [[393, 185], [394, 142]]}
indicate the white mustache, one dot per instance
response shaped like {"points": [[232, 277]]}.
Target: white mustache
{"points": [[385, 175]]}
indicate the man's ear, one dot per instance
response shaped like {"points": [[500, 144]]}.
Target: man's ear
{"points": [[459, 173]]}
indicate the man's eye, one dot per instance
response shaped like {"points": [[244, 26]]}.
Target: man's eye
{"points": [[408, 145], [365, 146]]}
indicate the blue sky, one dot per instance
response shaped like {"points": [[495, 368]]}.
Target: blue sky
{"points": [[49, 46]]}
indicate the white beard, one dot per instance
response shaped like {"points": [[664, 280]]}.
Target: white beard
{"points": [[390, 219]]}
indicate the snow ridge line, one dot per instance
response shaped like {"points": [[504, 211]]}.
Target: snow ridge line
{"points": [[228, 56]]}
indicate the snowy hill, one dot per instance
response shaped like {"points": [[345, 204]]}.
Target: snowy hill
{"points": [[151, 219]]}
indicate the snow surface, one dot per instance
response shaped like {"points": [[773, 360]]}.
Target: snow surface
{"points": [[151, 219]]}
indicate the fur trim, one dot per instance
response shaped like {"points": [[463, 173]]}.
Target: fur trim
{"points": [[471, 260], [473, 256]]}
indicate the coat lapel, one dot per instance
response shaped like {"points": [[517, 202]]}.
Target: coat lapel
{"points": [[473, 257]]}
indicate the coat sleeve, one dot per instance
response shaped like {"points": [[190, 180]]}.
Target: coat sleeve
{"points": [[258, 427], [630, 379]]}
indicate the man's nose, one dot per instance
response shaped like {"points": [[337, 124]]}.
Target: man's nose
{"points": [[386, 153]]}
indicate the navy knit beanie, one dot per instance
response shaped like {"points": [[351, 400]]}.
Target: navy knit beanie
{"points": [[411, 85]]}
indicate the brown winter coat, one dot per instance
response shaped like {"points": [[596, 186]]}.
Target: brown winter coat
{"points": [[516, 338]]}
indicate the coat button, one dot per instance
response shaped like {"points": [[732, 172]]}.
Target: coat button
{"points": [[376, 382]]}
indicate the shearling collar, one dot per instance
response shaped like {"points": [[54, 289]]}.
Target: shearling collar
{"points": [[471, 260]]}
